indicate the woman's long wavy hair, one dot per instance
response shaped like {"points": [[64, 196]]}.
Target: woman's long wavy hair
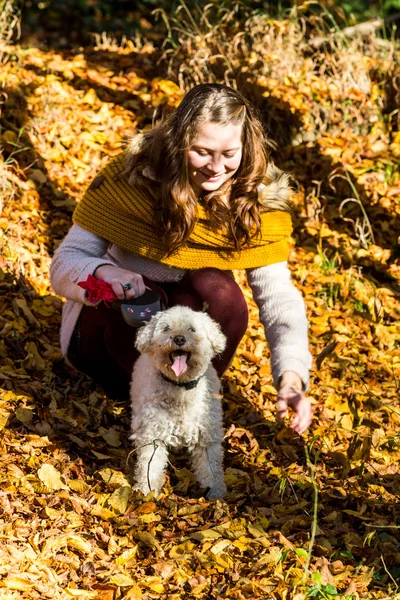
{"points": [[234, 208]]}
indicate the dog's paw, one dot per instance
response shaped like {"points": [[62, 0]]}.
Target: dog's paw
{"points": [[146, 490], [141, 488], [215, 492]]}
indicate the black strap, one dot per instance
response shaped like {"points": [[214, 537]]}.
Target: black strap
{"points": [[188, 385]]}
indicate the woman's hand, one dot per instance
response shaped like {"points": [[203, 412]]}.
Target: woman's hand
{"points": [[118, 278], [290, 395]]}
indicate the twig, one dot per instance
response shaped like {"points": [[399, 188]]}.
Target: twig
{"points": [[389, 573], [382, 526], [315, 513], [153, 443], [359, 29], [149, 463], [355, 192], [138, 448], [294, 493]]}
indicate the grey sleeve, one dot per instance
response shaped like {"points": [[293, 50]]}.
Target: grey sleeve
{"points": [[78, 256], [283, 315]]}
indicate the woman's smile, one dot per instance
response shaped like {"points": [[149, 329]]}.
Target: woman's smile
{"points": [[211, 177]]}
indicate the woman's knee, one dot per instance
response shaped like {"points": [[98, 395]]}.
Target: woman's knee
{"points": [[212, 282], [223, 296]]}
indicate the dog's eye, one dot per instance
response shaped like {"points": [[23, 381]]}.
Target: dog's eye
{"points": [[192, 329], [167, 328]]}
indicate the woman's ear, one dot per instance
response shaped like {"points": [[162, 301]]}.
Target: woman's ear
{"points": [[145, 334]]}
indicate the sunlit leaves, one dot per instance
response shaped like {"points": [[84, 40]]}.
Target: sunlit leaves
{"points": [[74, 526], [51, 477]]}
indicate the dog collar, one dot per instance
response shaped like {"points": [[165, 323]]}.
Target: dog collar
{"points": [[188, 385]]}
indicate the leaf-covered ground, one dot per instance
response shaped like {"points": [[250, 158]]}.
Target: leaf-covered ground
{"points": [[313, 516]]}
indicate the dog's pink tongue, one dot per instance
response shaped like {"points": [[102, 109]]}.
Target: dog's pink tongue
{"points": [[179, 365]]}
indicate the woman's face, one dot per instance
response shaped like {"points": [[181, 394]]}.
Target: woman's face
{"points": [[214, 156]]}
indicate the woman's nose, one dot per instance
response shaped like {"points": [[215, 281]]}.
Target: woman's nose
{"points": [[215, 165]]}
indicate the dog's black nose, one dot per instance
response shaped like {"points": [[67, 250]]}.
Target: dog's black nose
{"points": [[179, 340]]}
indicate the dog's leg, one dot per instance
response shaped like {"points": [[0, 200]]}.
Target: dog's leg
{"points": [[207, 465], [150, 467]]}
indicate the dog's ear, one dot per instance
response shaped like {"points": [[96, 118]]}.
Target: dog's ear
{"points": [[215, 335], [145, 334]]}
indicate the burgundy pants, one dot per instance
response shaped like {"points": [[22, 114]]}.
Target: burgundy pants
{"points": [[103, 344]]}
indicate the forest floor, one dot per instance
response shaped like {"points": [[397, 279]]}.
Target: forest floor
{"points": [[316, 516]]}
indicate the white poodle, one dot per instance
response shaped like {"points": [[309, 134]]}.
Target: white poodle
{"points": [[175, 398]]}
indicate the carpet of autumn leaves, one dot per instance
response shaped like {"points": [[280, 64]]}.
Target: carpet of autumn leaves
{"points": [[315, 516]]}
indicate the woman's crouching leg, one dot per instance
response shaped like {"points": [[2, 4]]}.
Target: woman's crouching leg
{"points": [[218, 293], [106, 349]]}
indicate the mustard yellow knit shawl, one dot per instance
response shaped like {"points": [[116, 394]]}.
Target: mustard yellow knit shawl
{"points": [[112, 209]]}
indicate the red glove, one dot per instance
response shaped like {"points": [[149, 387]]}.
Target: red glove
{"points": [[98, 290]]}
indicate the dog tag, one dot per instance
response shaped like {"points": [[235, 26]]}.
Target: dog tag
{"points": [[139, 310]]}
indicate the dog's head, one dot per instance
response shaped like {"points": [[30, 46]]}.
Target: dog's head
{"points": [[181, 342]]}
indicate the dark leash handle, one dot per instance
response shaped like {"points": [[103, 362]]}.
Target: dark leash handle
{"points": [[138, 311]]}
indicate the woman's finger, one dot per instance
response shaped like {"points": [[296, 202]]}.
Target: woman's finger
{"points": [[281, 408], [304, 416], [129, 294], [117, 289], [138, 288], [298, 402], [300, 425]]}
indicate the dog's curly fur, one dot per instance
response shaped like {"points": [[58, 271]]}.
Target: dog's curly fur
{"points": [[166, 415]]}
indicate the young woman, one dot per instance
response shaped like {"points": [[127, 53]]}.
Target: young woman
{"points": [[188, 201]]}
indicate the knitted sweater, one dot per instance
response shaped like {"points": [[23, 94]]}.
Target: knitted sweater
{"points": [[124, 214], [281, 306]]}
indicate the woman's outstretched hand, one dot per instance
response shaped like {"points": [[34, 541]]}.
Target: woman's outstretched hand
{"points": [[118, 278], [290, 395]]}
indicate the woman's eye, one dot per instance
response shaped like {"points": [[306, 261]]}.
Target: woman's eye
{"points": [[192, 329], [229, 155], [202, 153]]}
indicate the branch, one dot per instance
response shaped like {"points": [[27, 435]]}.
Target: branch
{"points": [[359, 29]]}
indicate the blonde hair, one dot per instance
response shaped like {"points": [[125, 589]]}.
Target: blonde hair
{"points": [[235, 207]]}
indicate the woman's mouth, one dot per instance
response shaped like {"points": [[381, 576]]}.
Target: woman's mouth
{"points": [[211, 177]]}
